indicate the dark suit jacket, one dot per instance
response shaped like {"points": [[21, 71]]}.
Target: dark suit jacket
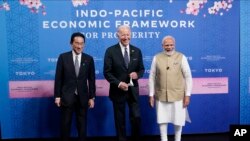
{"points": [[115, 70], [66, 81]]}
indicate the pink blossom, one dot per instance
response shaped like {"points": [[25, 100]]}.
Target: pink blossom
{"points": [[6, 6], [195, 6], [33, 5], [77, 3]]}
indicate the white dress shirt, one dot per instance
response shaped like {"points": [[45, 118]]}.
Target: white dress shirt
{"points": [[79, 57]]}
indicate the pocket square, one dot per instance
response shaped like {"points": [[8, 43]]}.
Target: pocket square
{"points": [[131, 82]]}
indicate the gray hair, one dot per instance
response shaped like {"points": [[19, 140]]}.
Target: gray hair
{"points": [[168, 37], [122, 27]]}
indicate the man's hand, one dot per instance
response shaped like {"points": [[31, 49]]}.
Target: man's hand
{"points": [[58, 101], [133, 75], [151, 101], [186, 101], [123, 86], [91, 103]]}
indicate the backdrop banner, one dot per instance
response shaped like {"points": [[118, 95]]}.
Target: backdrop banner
{"points": [[34, 34]]}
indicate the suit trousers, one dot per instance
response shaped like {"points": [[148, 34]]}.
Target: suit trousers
{"points": [[66, 120], [134, 116]]}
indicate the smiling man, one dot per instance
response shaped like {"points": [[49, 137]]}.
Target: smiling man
{"points": [[170, 83], [75, 88], [123, 66]]}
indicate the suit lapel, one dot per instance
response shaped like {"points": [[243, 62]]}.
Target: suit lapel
{"points": [[71, 63], [82, 64], [131, 55]]}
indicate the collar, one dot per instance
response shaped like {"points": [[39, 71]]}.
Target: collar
{"points": [[74, 55], [122, 46]]}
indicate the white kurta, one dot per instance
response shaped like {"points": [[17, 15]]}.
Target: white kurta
{"points": [[172, 112]]}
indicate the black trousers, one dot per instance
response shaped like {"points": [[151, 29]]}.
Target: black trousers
{"points": [[66, 120], [134, 116]]}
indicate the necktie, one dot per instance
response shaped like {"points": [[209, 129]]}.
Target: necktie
{"points": [[126, 59], [77, 65]]}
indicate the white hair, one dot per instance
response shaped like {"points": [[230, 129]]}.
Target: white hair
{"points": [[122, 27], [168, 37]]}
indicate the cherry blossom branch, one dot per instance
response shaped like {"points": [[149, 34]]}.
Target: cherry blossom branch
{"points": [[77, 3], [195, 6], [33, 5], [5, 6]]}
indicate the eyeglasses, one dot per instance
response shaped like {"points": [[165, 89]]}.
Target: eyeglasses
{"points": [[169, 45]]}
